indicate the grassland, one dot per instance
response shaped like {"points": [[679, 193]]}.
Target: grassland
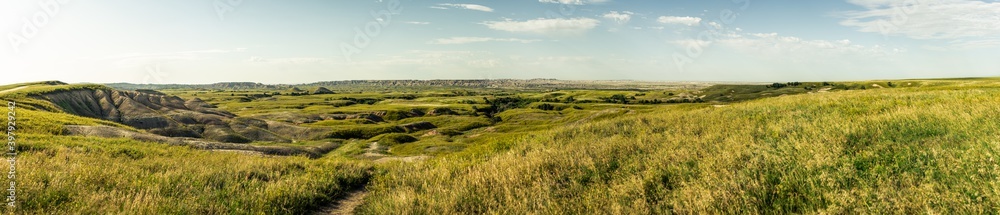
{"points": [[914, 146], [902, 151], [84, 175]]}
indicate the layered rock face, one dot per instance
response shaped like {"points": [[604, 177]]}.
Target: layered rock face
{"points": [[141, 110], [171, 116]]}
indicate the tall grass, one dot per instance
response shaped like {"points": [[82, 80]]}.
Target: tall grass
{"points": [[929, 147], [86, 175], [874, 151], [77, 175]]}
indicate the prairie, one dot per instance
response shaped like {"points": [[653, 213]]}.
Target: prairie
{"points": [[912, 146]]}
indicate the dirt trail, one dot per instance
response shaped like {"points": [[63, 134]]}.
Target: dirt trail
{"points": [[345, 205], [354, 198], [12, 90], [377, 152]]}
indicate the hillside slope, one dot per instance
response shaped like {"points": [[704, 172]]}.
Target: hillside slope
{"points": [[142, 110], [926, 147], [153, 112], [930, 149]]}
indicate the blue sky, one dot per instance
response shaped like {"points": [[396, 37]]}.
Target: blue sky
{"points": [[271, 41]]}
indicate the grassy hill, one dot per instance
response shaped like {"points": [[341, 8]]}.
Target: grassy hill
{"points": [[916, 146], [88, 175], [912, 150]]}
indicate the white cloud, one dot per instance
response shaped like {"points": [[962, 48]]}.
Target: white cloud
{"points": [[715, 25], [465, 40], [788, 47], [466, 6], [679, 20], [418, 23], [773, 56], [575, 2], [965, 45], [620, 17], [545, 26], [960, 21]]}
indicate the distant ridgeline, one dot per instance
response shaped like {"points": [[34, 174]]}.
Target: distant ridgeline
{"points": [[221, 86], [416, 84]]}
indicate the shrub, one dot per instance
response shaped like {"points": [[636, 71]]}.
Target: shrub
{"points": [[231, 138], [617, 99], [502, 104], [458, 129], [546, 106], [393, 139]]}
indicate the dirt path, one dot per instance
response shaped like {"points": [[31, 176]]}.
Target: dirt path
{"points": [[378, 152], [353, 199], [12, 90], [375, 150], [347, 204]]}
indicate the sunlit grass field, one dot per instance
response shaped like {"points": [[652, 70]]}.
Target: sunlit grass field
{"points": [[86, 175], [71, 175], [874, 151], [921, 146]]}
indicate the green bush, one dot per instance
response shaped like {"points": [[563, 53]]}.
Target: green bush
{"points": [[393, 139], [462, 127]]}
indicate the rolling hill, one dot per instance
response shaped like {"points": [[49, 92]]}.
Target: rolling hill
{"points": [[910, 146]]}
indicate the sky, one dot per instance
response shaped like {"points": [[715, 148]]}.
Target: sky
{"points": [[304, 41]]}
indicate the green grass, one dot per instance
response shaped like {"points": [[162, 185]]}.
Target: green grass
{"points": [[41, 83], [872, 151], [95, 175], [435, 145], [363, 131], [49, 123], [44, 88], [923, 146], [336, 123], [452, 125], [393, 139]]}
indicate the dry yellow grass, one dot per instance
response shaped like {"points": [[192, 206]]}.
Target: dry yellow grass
{"points": [[874, 151], [74, 175], [929, 148]]}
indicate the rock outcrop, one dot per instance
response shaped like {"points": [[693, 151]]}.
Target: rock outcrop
{"points": [[323, 90], [441, 111], [169, 116], [417, 126], [137, 109]]}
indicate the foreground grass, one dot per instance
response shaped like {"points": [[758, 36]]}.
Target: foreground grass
{"points": [[70, 175], [928, 147], [86, 175], [872, 151]]}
